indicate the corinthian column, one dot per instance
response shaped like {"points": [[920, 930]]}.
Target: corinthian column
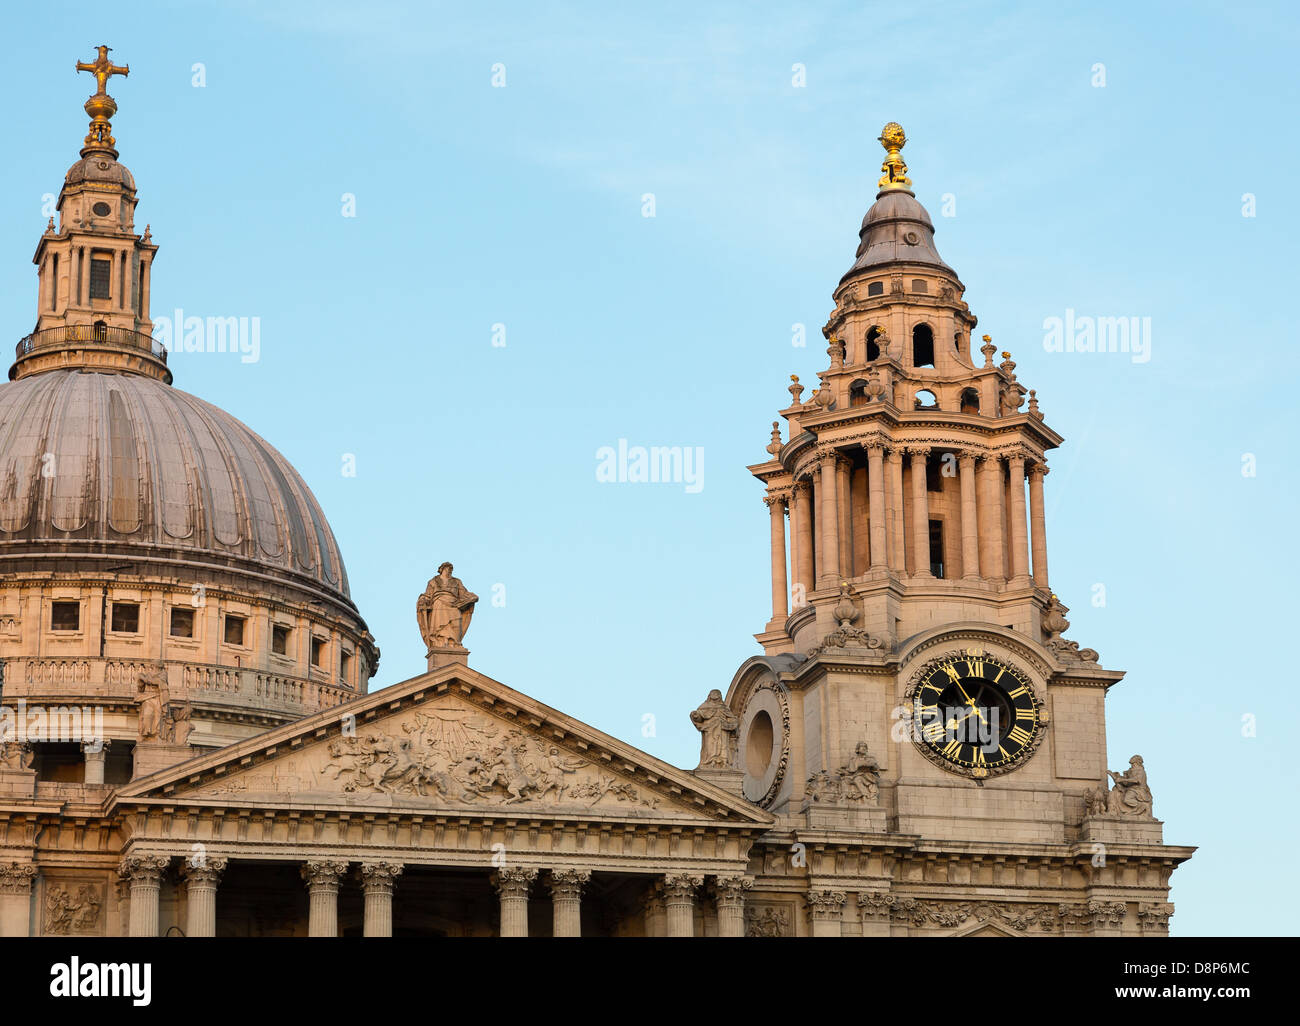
{"points": [[828, 550], [920, 514], [992, 541], [729, 894], [513, 885], [679, 897], [1038, 523], [801, 520], [844, 518], [776, 504], [94, 753], [876, 505], [16, 898], [377, 888], [566, 901], [894, 484], [322, 879], [970, 528], [144, 872], [201, 881], [826, 909], [1019, 534]]}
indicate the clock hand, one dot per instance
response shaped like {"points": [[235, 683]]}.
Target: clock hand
{"points": [[970, 703]]}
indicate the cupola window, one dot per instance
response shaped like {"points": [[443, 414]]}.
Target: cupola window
{"points": [[65, 616], [101, 272], [936, 548], [317, 651], [234, 630], [280, 639], [919, 285], [126, 617], [873, 347], [182, 623], [876, 288], [970, 401], [925, 400]]}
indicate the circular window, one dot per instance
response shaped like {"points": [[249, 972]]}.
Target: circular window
{"points": [[758, 744], [102, 209]]}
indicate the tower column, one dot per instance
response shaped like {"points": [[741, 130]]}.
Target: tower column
{"points": [[729, 895], [1038, 523], [566, 901], [16, 898], [201, 881], [894, 483], [679, 899], [776, 506], [828, 549], [144, 873], [1019, 533], [992, 543], [144, 290], [801, 528], [322, 879], [844, 518], [513, 885], [74, 277], [920, 513], [876, 500], [970, 529], [377, 888], [94, 753]]}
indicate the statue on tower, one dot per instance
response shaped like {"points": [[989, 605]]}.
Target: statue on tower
{"points": [[719, 731], [444, 612]]}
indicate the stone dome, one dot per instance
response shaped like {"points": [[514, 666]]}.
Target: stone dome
{"points": [[123, 467], [99, 167], [896, 230]]}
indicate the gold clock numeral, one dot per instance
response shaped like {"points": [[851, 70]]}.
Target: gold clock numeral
{"points": [[1001, 671], [952, 749], [977, 756], [933, 732], [1026, 714], [976, 667], [1019, 735], [951, 671], [1004, 753], [1022, 690]]}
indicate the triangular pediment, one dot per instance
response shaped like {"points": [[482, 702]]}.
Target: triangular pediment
{"points": [[452, 741]]}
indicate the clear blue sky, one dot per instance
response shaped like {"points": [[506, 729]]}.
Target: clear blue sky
{"points": [[522, 206]]}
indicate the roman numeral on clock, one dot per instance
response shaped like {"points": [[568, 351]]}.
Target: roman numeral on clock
{"points": [[1019, 735]]}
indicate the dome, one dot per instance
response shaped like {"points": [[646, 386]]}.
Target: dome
{"points": [[896, 230], [123, 466], [99, 167]]}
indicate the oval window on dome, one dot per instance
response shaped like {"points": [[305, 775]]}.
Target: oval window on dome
{"points": [[102, 209]]}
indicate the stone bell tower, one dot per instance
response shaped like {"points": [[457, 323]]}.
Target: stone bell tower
{"points": [[93, 269], [915, 680]]}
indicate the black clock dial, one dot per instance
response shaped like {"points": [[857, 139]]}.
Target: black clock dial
{"points": [[975, 713]]}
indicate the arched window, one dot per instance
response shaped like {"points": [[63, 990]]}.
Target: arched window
{"points": [[101, 331], [970, 401], [925, 400], [858, 393], [956, 341], [922, 346], [873, 347]]}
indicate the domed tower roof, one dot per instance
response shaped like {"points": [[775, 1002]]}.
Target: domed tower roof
{"points": [[897, 229]]}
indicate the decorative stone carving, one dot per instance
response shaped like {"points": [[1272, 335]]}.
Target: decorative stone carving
{"points": [[380, 874], [466, 758], [1020, 916], [143, 868], [204, 870], [444, 610], [160, 719], [568, 883], [1055, 624], [68, 912], [719, 729], [16, 755], [856, 782], [1094, 800], [1155, 918], [323, 873], [16, 877], [988, 349], [1130, 796], [874, 905], [766, 921], [774, 446], [796, 390], [846, 635], [826, 904]]}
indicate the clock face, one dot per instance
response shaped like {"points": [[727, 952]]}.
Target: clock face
{"points": [[975, 714]]}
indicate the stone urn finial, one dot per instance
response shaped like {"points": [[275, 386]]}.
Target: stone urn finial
{"points": [[845, 612], [988, 349], [774, 446], [796, 389]]}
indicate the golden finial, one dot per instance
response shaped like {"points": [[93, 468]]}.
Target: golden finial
{"points": [[893, 139], [101, 106], [1006, 354], [50, 227]]}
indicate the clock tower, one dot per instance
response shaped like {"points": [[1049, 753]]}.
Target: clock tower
{"points": [[934, 747]]}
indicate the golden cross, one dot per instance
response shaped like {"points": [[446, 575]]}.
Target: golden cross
{"points": [[103, 68]]}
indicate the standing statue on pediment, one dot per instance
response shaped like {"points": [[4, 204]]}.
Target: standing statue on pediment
{"points": [[444, 610], [719, 731], [154, 697]]}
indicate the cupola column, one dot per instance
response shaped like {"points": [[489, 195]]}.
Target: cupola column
{"points": [[801, 527], [970, 529], [876, 511], [897, 547], [992, 543], [776, 505], [844, 518], [1038, 523], [920, 514], [828, 549], [1019, 534]]}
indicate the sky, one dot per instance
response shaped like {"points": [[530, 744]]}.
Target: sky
{"points": [[439, 217]]}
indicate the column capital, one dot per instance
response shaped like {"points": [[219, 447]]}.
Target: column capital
{"points": [[380, 874], [16, 877], [778, 497], [203, 870], [826, 904], [874, 904], [919, 452], [323, 872], [682, 886], [95, 747], [568, 883], [969, 456], [514, 881], [1038, 467], [730, 890], [143, 868], [1017, 457]]}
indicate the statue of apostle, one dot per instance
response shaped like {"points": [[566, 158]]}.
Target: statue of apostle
{"points": [[719, 731], [444, 610]]}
